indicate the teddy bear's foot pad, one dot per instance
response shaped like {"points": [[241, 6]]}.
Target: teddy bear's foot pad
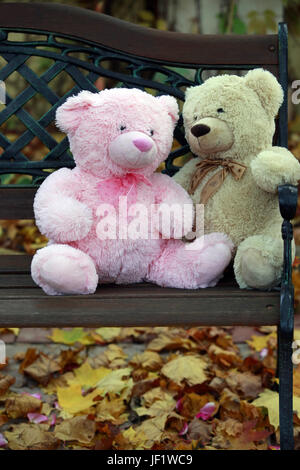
{"points": [[62, 269], [256, 271]]}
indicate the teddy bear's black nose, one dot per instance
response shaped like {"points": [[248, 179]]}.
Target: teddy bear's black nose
{"points": [[200, 129]]}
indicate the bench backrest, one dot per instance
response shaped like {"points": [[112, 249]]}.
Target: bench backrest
{"points": [[81, 43]]}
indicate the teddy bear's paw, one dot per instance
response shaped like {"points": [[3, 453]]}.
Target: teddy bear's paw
{"points": [[274, 167], [62, 269], [64, 219], [255, 271]]}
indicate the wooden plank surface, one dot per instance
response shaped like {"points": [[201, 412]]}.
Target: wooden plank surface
{"points": [[16, 264], [16, 202], [144, 42], [23, 304]]}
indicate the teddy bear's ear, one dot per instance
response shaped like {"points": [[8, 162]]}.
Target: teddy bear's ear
{"points": [[69, 114], [190, 90], [171, 105], [267, 88]]}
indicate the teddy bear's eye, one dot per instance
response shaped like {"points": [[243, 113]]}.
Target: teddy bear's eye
{"points": [[195, 118], [220, 110], [151, 132], [122, 128]]}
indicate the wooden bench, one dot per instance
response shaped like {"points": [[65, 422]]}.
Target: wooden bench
{"points": [[66, 32]]}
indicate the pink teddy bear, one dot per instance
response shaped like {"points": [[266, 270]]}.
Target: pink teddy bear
{"points": [[118, 138]]}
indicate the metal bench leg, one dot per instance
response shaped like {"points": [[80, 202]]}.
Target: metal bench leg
{"points": [[286, 389], [288, 196]]}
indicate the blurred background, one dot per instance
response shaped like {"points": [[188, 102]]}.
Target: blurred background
{"points": [[185, 16]]}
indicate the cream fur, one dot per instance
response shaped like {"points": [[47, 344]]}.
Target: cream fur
{"points": [[246, 210]]}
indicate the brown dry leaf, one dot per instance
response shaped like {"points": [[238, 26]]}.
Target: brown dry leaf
{"points": [[267, 329], [69, 357], [19, 356], [169, 341], [153, 429], [19, 406], [154, 394], [222, 357], [30, 356], [247, 384], [42, 368], [200, 430], [148, 360], [30, 436], [3, 419], [186, 368], [233, 435], [229, 404], [56, 382], [158, 407], [79, 428], [113, 357], [143, 386], [191, 404], [131, 439], [112, 409], [131, 332], [296, 381], [5, 382]]}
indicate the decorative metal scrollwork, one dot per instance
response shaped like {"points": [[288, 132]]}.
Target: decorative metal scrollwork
{"points": [[67, 56]]}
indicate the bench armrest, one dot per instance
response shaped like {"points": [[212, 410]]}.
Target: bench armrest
{"points": [[288, 196]]}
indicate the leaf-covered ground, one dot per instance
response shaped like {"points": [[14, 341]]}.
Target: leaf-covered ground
{"points": [[141, 388]]}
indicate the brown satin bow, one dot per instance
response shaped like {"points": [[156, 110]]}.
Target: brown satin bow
{"points": [[213, 184]]}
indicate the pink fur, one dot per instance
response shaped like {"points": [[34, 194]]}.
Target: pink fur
{"points": [[118, 138]]}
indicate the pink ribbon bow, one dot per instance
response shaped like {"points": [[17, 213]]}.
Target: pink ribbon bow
{"points": [[111, 189]]}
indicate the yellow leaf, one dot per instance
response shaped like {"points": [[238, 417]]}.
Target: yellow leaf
{"points": [[270, 400], [137, 439], [108, 333], [71, 399], [260, 342], [189, 368], [86, 376], [114, 381], [15, 331], [76, 335], [154, 428], [297, 335]]}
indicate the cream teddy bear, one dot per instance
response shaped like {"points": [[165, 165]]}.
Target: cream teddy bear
{"points": [[229, 124]]}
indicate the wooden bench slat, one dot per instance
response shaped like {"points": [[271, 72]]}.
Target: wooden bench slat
{"points": [[144, 42], [15, 264], [22, 304], [16, 202], [15, 280]]}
